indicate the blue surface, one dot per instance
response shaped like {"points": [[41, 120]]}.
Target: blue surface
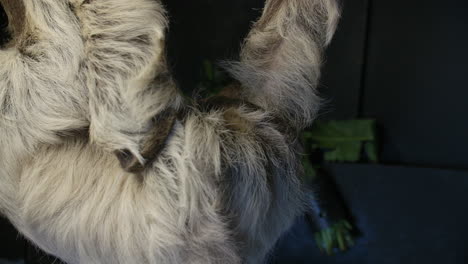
{"points": [[405, 216]]}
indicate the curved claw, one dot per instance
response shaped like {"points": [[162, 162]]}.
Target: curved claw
{"points": [[152, 146]]}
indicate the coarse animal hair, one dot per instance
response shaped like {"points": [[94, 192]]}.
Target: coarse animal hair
{"points": [[102, 161]]}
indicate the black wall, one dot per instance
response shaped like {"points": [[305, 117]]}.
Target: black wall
{"points": [[416, 80]]}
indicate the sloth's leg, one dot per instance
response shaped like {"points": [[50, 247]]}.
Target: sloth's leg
{"points": [[278, 72], [132, 94], [281, 57]]}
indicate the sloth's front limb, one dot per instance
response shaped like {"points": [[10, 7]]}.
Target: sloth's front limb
{"points": [[132, 94]]}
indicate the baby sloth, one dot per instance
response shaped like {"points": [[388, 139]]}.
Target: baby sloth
{"points": [[103, 161]]}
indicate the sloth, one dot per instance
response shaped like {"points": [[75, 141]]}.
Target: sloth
{"points": [[102, 160]]}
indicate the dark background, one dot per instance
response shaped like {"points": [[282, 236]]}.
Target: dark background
{"points": [[404, 63]]}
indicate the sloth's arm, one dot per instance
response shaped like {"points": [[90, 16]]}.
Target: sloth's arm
{"points": [[278, 72], [131, 91], [280, 61]]}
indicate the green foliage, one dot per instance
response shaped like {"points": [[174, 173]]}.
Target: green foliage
{"points": [[337, 236], [212, 79], [309, 169], [343, 141], [371, 151], [339, 141]]}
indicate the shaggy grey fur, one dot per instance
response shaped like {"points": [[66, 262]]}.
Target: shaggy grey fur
{"points": [[82, 80]]}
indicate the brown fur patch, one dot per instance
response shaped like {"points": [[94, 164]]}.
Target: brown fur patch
{"points": [[16, 13], [28, 40], [234, 121], [230, 106], [153, 145], [233, 90]]}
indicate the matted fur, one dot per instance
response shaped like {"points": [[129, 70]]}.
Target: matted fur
{"points": [[225, 186]]}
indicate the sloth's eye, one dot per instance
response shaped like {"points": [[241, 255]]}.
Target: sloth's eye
{"points": [[4, 34]]}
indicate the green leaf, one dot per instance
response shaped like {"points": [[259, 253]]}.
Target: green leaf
{"points": [[319, 240], [343, 130], [309, 171], [341, 243], [307, 135], [344, 152], [208, 69], [341, 140], [212, 79], [371, 151], [336, 236], [329, 241]]}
